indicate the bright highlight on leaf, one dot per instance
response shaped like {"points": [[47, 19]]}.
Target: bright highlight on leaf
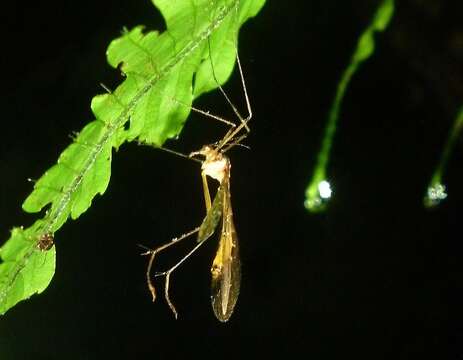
{"points": [[436, 191], [365, 48], [163, 74]]}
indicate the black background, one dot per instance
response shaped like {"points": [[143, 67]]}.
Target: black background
{"points": [[374, 277]]}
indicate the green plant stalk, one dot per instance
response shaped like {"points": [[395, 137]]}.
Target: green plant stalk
{"points": [[314, 202], [435, 191]]}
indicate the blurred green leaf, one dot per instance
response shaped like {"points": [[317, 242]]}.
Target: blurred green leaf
{"points": [[315, 199]]}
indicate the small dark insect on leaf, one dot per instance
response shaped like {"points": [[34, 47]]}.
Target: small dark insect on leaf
{"points": [[45, 242]]}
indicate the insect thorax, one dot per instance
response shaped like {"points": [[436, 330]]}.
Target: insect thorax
{"points": [[216, 165]]}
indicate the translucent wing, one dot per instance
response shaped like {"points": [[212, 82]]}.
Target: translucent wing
{"points": [[212, 218], [226, 267]]}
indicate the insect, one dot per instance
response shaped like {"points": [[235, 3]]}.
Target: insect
{"points": [[45, 242], [226, 266]]}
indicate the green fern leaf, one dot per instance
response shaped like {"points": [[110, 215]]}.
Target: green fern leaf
{"points": [[163, 72]]}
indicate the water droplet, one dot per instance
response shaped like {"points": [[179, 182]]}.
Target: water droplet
{"points": [[435, 194], [324, 189], [316, 202]]}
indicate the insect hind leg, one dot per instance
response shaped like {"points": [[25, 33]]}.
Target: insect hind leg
{"points": [[153, 254], [168, 272]]}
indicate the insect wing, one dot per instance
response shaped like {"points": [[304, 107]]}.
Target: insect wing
{"points": [[212, 218], [226, 267]]}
